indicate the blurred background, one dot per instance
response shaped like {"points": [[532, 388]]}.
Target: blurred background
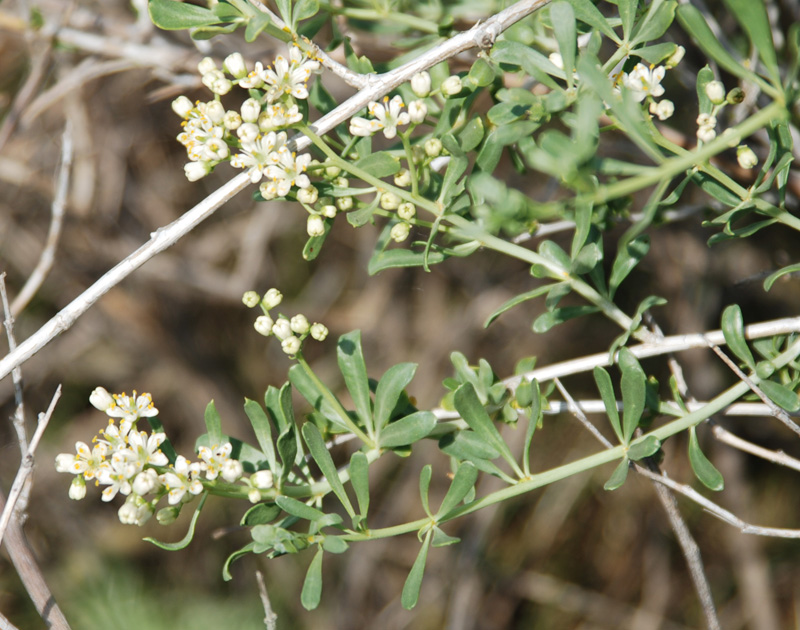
{"points": [[568, 556]]}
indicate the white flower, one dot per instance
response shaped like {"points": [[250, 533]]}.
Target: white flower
{"points": [[263, 325], [206, 65], [390, 201], [399, 232], [211, 77], [282, 329], [115, 438], [215, 112], [214, 459], [77, 489], [706, 120], [272, 298], [389, 115], [182, 106], [181, 479], [145, 482], [254, 79], [135, 511], [101, 399], [676, 57], [235, 66], [363, 127], [644, 81], [168, 515], [746, 156], [288, 170], [254, 496], [251, 110], [290, 75], [433, 147], [276, 116], [402, 178], [299, 324], [232, 470], [319, 331], [117, 477], [232, 120], [452, 85], [421, 84], [145, 449], [417, 110], [715, 92], [308, 195], [328, 211], [706, 133], [251, 299], [87, 462], [262, 479], [131, 408], [258, 154], [557, 60], [663, 109], [344, 203], [406, 211]]}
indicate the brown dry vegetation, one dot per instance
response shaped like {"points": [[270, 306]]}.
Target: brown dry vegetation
{"points": [[568, 556]]}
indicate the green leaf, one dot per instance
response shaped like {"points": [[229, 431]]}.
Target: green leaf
{"points": [[733, 331], [471, 135], [354, 370], [455, 169], [359, 478], [363, 215], [629, 255], [515, 301], [655, 23], [587, 259], [546, 321], [467, 445], [413, 583], [334, 544], [752, 16], [627, 13], [534, 418], [695, 25], [256, 25], [321, 455], [317, 395], [184, 542], [314, 244], [380, 164], [781, 272], [424, 486], [632, 385], [263, 431], [474, 414], [408, 430], [173, 16], [312, 586], [440, 539], [619, 475], [213, 425], [260, 514], [656, 53], [304, 9], [388, 392], [532, 62], [298, 508], [481, 73], [285, 10], [226, 568], [780, 395], [563, 19], [703, 469], [462, 483], [606, 390], [644, 448], [287, 449], [587, 12]]}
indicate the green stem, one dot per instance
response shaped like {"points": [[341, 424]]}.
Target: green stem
{"points": [[412, 169]]}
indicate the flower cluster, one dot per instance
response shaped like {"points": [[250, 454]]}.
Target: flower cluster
{"points": [[130, 462], [249, 138], [644, 82], [291, 332]]}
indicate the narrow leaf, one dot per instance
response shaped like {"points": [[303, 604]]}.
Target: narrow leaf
{"points": [[633, 393], [703, 469], [563, 19], [462, 483], [298, 508], [263, 431], [733, 331], [780, 395], [606, 390], [321, 455], [391, 385], [312, 586], [317, 394], [354, 370], [184, 542], [413, 583], [172, 16], [379, 164], [424, 486], [644, 448], [213, 424], [618, 477], [359, 478], [408, 430]]}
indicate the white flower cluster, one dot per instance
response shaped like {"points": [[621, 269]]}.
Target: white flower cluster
{"points": [[291, 332], [130, 462], [211, 133], [644, 82]]}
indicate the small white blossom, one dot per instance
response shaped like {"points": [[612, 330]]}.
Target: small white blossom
{"points": [[290, 76], [329, 211], [557, 60], [251, 110], [308, 195], [181, 479], [643, 81], [706, 133], [214, 459], [235, 66], [248, 132], [387, 116], [145, 449], [131, 408], [232, 120], [282, 329], [196, 170], [206, 65], [319, 331], [272, 298], [715, 92], [262, 479], [146, 482], [452, 85], [390, 201], [315, 226], [263, 325], [254, 79], [257, 155], [746, 156], [182, 106], [117, 477], [77, 489], [332, 171], [299, 324], [399, 232], [288, 170], [402, 178], [417, 110], [344, 203], [253, 495], [433, 147], [421, 84], [135, 511], [232, 470], [211, 77], [676, 57], [101, 399], [406, 211], [663, 109], [291, 345], [86, 462], [276, 116], [251, 299], [215, 112]]}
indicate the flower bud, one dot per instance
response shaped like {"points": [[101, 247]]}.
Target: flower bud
{"points": [[663, 109], [146, 481], [101, 399], [251, 299], [77, 489], [421, 84], [406, 211], [291, 345], [232, 120], [715, 92], [232, 470], [706, 133], [168, 515], [433, 147], [248, 132], [402, 178], [341, 182], [251, 109], [390, 201], [308, 195], [282, 329], [196, 170], [676, 57], [328, 211], [735, 96], [211, 77], [215, 112], [746, 157], [254, 496], [299, 324], [268, 190], [332, 171], [234, 65], [182, 106], [315, 226], [417, 110], [451, 85], [319, 331], [272, 298], [221, 86], [262, 479], [206, 65], [399, 232], [263, 325], [344, 203]]}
